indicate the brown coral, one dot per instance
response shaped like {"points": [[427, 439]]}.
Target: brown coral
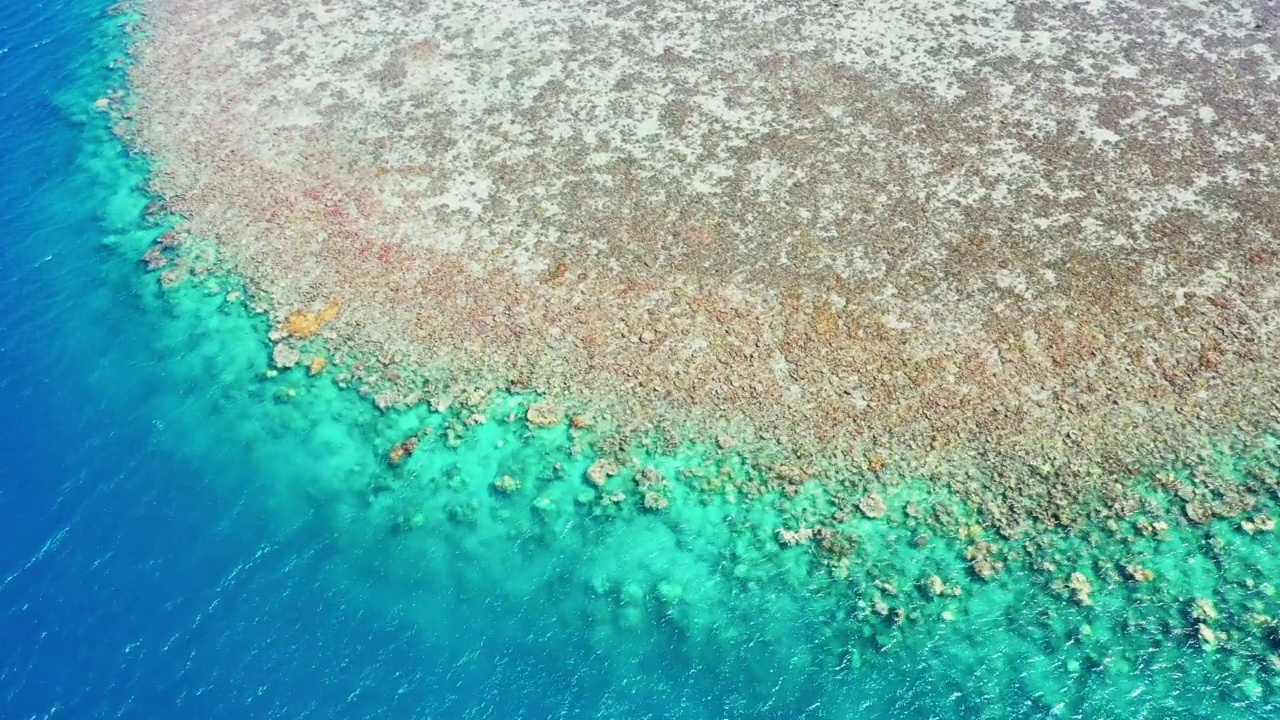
{"points": [[873, 506], [304, 324], [600, 471], [402, 450], [791, 538], [544, 414], [285, 356], [980, 557], [655, 502], [506, 485], [1081, 587], [1137, 573]]}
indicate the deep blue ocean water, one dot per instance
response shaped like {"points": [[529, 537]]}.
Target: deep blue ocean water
{"points": [[126, 588]]}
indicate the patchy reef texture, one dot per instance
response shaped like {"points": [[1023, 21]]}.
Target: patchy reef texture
{"points": [[1035, 238], [1022, 252]]}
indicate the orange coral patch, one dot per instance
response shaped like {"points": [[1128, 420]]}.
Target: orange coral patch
{"points": [[303, 324]]}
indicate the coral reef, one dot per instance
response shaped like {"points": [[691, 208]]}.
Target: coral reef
{"points": [[1081, 588], [545, 413], [285, 356], [981, 557], [317, 365], [402, 450], [601, 470], [654, 502], [873, 506], [917, 262], [506, 485], [980, 315], [304, 324]]}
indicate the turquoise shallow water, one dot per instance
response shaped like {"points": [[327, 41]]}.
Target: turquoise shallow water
{"points": [[187, 535]]}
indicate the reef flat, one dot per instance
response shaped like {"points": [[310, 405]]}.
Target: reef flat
{"points": [[933, 313], [988, 234]]}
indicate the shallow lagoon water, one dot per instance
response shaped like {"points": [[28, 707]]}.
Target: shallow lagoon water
{"points": [[186, 534]]}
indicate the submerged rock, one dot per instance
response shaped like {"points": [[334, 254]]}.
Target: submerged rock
{"points": [[1137, 573], [600, 471], [285, 356], [1203, 609], [873, 506], [317, 366], [655, 502], [981, 558], [506, 485], [1082, 588], [544, 414], [402, 450]]}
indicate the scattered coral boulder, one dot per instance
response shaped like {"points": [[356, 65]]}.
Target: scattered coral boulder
{"points": [[1198, 512], [651, 480], [981, 557], [402, 450], [791, 538], [1081, 588], [155, 258], [285, 356], [935, 586], [609, 499], [873, 506], [317, 366], [506, 485], [1203, 609], [1257, 524], [387, 399], [1207, 634], [1152, 529], [655, 502], [1138, 573], [600, 471], [837, 544], [544, 413]]}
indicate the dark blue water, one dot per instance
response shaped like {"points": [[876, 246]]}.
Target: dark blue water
{"points": [[126, 591], [132, 584]]}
